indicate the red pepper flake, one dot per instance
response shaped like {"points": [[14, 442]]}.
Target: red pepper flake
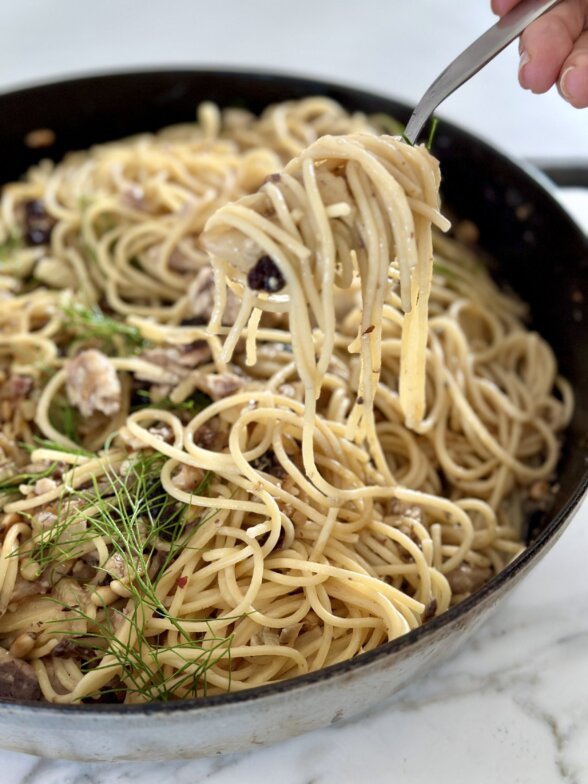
{"points": [[369, 330], [181, 582]]}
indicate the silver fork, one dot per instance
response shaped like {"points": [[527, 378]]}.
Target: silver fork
{"points": [[474, 58]]}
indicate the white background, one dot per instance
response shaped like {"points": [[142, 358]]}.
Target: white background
{"points": [[393, 46], [513, 706]]}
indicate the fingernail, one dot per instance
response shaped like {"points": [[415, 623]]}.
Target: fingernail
{"points": [[564, 83], [523, 62]]}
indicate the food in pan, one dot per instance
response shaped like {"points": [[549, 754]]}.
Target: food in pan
{"points": [[259, 414]]}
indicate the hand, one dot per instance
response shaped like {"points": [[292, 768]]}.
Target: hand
{"points": [[554, 50]]}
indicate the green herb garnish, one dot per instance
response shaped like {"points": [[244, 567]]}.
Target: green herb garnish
{"points": [[10, 484], [64, 417], [442, 269], [143, 525], [9, 246], [90, 252], [432, 132], [45, 443], [93, 324], [388, 124], [194, 404]]}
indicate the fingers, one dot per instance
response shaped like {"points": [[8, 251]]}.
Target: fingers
{"points": [[573, 82], [554, 49], [547, 43], [502, 7]]}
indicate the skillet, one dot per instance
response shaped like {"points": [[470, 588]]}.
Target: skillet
{"points": [[541, 254]]}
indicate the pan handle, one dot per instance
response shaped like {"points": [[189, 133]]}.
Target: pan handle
{"points": [[566, 173]]}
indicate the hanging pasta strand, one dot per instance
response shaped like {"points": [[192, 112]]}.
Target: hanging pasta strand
{"points": [[384, 194]]}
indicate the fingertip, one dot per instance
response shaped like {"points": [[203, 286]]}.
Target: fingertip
{"points": [[573, 86], [545, 46], [533, 75], [501, 7], [524, 61]]}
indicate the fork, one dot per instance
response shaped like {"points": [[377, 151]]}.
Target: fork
{"points": [[474, 58]]}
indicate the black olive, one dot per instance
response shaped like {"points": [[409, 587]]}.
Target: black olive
{"points": [[34, 208], [37, 236], [269, 463], [265, 276], [196, 321], [38, 224]]}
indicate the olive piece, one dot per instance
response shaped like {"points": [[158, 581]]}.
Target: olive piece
{"points": [[34, 208], [37, 236], [265, 276], [38, 224]]}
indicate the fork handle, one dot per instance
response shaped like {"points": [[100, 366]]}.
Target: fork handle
{"points": [[475, 57]]}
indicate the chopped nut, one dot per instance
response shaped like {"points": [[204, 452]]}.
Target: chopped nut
{"points": [[220, 385], [201, 300], [40, 137], [92, 384], [44, 485], [17, 679], [116, 566], [539, 490], [289, 634], [466, 578], [187, 478]]}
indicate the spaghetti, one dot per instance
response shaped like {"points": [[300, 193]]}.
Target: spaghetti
{"points": [[216, 477]]}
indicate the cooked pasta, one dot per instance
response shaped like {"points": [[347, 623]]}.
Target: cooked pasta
{"points": [[258, 414]]}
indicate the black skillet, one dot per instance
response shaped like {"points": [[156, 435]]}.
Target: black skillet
{"points": [[542, 255]]}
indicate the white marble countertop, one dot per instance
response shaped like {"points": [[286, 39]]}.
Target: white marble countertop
{"points": [[513, 706]]}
